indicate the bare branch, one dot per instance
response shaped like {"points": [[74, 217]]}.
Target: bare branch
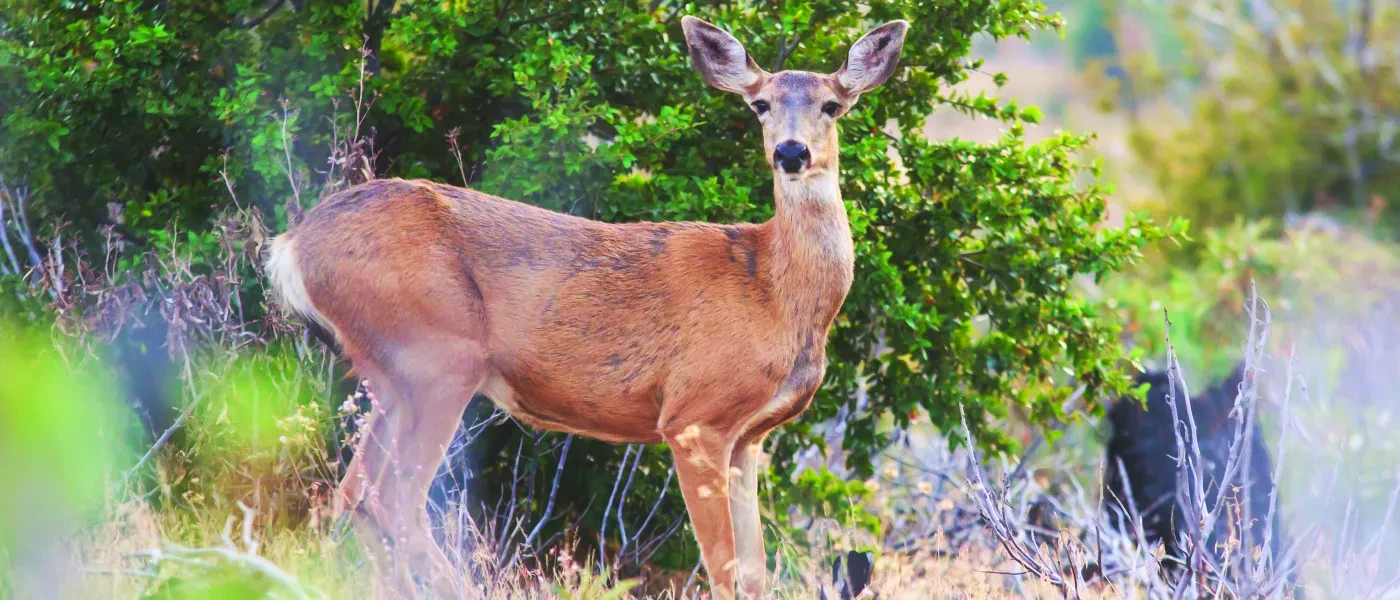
{"points": [[287, 114], [553, 491], [607, 510], [14, 268]]}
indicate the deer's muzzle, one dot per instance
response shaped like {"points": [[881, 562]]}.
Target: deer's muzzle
{"points": [[792, 156]]}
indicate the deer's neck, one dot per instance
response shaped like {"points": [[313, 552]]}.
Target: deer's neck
{"points": [[813, 257]]}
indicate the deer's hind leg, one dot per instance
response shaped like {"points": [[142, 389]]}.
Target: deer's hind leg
{"points": [[423, 400], [359, 489]]}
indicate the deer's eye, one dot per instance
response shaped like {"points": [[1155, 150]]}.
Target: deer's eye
{"points": [[760, 107], [831, 108]]}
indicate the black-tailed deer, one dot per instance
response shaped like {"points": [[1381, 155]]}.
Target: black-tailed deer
{"points": [[702, 336]]}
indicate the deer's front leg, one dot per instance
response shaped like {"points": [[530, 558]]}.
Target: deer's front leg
{"points": [[748, 528], [793, 398], [702, 467]]}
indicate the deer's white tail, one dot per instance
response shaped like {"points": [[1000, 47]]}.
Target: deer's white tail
{"points": [[287, 284]]}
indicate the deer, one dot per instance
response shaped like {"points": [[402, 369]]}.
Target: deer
{"points": [[702, 336]]}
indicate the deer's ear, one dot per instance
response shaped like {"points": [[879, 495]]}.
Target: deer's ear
{"points": [[720, 58], [872, 59]]}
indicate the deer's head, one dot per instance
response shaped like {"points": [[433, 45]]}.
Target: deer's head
{"points": [[798, 109]]}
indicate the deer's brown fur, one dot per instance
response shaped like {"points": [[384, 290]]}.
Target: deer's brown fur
{"points": [[700, 335]]}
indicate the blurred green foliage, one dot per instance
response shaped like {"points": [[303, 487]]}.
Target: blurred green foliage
{"points": [[227, 583], [131, 117], [67, 443], [1273, 108], [1272, 127], [62, 439], [1297, 268], [1088, 31]]}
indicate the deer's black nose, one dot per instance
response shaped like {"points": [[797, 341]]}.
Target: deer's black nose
{"points": [[791, 156]]}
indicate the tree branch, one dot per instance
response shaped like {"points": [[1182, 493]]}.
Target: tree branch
{"points": [[5, 236], [539, 19], [276, 5], [785, 50], [607, 509]]}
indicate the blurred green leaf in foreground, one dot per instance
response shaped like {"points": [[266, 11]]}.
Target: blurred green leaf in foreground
{"points": [[62, 443]]}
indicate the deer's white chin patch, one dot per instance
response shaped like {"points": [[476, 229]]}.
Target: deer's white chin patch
{"points": [[805, 174], [812, 184]]}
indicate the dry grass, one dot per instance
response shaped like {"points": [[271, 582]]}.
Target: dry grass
{"points": [[112, 556]]}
